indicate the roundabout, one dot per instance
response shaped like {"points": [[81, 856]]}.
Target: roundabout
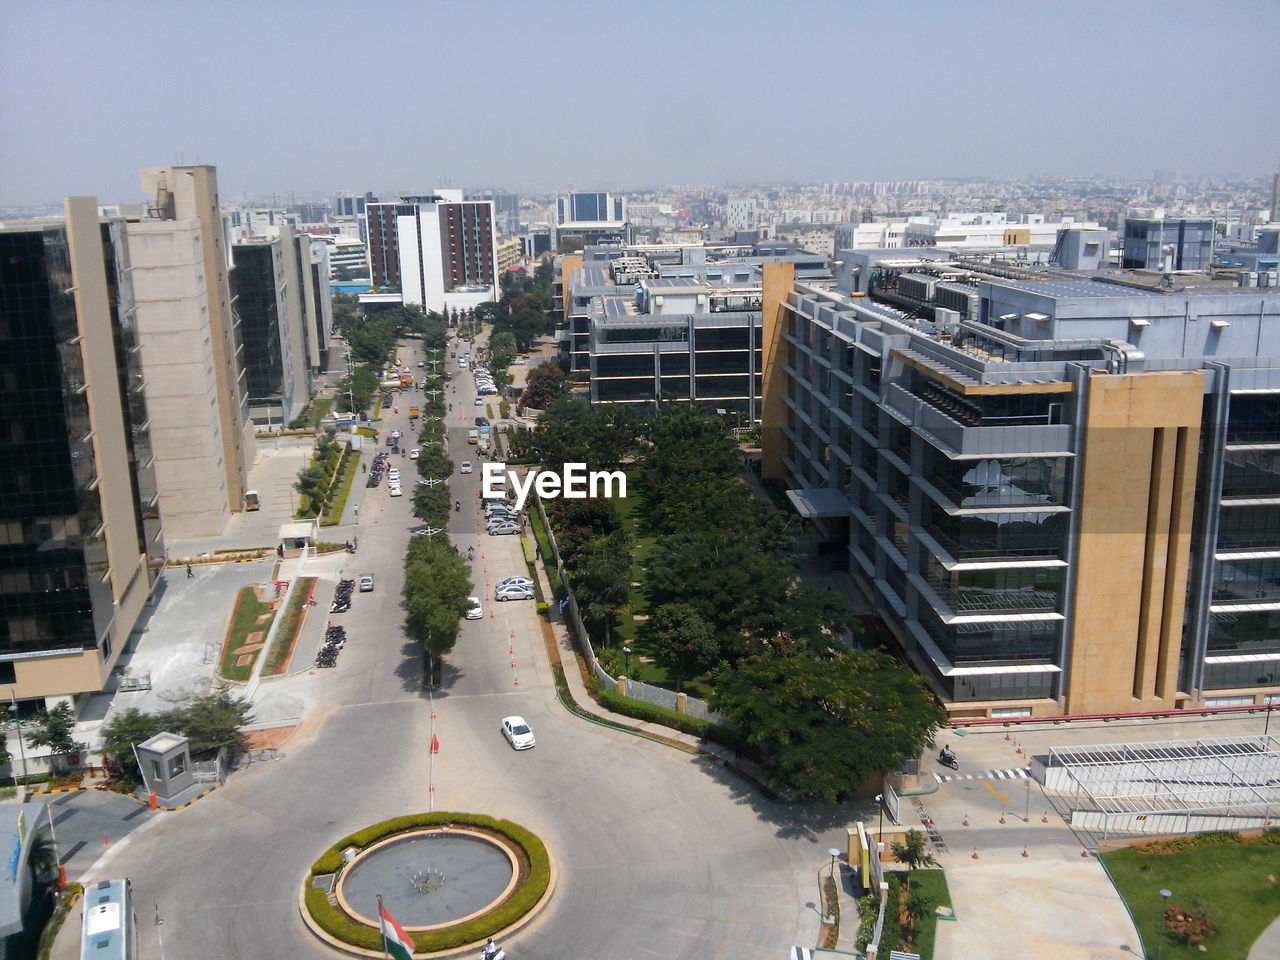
{"points": [[451, 880]]}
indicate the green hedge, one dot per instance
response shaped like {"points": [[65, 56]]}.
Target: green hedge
{"points": [[685, 723], [337, 924]]}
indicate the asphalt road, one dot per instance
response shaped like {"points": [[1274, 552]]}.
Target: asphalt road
{"points": [[659, 854]]}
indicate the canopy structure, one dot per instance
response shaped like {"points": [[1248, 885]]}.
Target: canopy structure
{"points": [[824, 502], [308, 530], [1227, 780]]}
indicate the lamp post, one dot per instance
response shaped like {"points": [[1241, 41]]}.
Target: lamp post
{"points": [[626, 652], [17, 725], [880, 830], [834, 855], [1164, 902]]}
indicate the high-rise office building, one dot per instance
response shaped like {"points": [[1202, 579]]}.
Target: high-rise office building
{"points": [[80, 533], [384, 243], [1061, 493], [447, 250], [269, 301], [191, 193]]}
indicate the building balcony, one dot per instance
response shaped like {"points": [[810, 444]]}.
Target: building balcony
{"points": [[960, 440]]}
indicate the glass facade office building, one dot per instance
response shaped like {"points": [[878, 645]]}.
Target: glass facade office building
{"points": [[59, 592], [1061, 501]]}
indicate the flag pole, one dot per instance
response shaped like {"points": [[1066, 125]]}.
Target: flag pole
{"points": [[382, 928]]}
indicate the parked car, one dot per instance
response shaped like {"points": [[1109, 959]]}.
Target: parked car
{"points": [[422, 363], [512, 591], [366, 583], [482, 421], [517, 733], [474, 610], [519, 362], [464, 466], [478, 402], [502, 529], [515, 581], [493, 514]]}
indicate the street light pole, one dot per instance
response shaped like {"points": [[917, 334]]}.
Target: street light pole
{"points": [[880, 830], [626, 651], [17, 724], [1164, 901]]}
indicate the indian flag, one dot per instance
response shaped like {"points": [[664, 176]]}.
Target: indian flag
{"points": [[395, 942]]}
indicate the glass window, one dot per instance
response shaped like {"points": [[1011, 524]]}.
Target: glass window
{"points": [[1254, 418], [1012, 481], [1245, 632], [1247, 528], [1246, 581], [1251, 473], [993, 644], [996, 591], [993, 535]]}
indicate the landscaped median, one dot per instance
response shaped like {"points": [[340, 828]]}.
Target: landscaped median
{"points": [[533, 885]]}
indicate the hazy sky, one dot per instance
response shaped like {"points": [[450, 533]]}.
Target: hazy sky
{"points": [[318, 96]]}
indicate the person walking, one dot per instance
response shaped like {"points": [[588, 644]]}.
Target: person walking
{"points": [[357, 509], [189, 573]]}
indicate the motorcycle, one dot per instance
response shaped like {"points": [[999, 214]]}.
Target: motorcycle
{"points": [[948, 759]]}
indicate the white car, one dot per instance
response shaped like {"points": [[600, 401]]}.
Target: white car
{"points": [[393, 475], [519, 362], [479, 402], [517, 733], [464, 466], [512, 591], [474, 610], [366, 582], [413, 454], [395, 491], [422, 363], [502, 529], [515, 581]]}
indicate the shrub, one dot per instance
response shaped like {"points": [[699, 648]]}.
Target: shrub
{"points": [[336, 923], [1191, 924]]}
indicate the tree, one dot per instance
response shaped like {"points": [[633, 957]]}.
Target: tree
{"points": [[685, 639], [434, 464], [544, 384], [571, 244], [436, 586], [601, 576], [121, 734], [431, 505], [56, 729], [913, 853], [824, 725], [5, 755], [213, 721]]}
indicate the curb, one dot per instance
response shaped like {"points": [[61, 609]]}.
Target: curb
{"points": [[199, 796], [463, 950], [41, 793]]}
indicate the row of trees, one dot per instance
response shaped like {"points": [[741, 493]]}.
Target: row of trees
{"points": [[725, 599], [437, 581], [211, 722]]}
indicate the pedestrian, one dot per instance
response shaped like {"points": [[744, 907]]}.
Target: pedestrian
{"points": [[357, 509], [364, 468], [189, 573], [280, 551]]}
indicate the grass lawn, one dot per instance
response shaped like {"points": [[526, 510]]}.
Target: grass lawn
{"points": [[282, 646], [1230, 878], [332, 514], [933, 883], [245, 621], [319, 410]]}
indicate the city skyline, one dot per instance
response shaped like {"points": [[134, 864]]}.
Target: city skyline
{"points": [[714, 94]]}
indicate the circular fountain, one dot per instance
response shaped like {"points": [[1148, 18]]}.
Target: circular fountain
{"points": [[449, 879], [428, 878]]}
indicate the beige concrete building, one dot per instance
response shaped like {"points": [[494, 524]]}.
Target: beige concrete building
{"points": [[79, 518], [191, 193], [171, 296]]}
